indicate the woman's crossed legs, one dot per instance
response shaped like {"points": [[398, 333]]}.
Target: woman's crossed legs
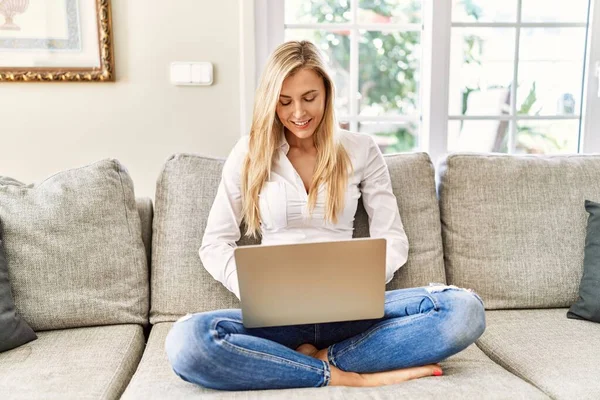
{"points": [[421, 326]]}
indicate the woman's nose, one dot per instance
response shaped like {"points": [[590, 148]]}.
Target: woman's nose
{"points": [[298, 110]]}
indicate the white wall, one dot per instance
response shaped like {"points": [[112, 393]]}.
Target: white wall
{"points": [[141, 119]]}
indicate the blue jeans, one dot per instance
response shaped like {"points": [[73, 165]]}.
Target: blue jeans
{"points": [[422, 325]]}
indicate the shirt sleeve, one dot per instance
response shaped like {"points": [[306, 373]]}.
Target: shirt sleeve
{"points": [[223, 225], [381, 206]]}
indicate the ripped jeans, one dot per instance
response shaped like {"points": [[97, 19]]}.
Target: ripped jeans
{"points": [[422, 325]]}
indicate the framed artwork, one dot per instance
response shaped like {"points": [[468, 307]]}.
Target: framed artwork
{"points": [[56, 40]]}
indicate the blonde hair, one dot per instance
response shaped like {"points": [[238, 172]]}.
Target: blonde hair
{"points": [[332, 164]]}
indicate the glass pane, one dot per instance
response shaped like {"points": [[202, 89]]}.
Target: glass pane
{"points": [[392, 137], [484, 10], [547, 137], [306, 12], [389, 11], [336, 51], [554, 11], [479, 136], [389, 73], [481, 70], [550, 71]]}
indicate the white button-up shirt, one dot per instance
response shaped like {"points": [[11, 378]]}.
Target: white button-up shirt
{"points": [[283, 205]]}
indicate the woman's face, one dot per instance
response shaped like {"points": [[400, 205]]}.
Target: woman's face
{"points": [[302, 103]]}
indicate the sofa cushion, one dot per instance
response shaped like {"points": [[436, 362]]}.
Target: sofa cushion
{"points": [[514, 226], [588, 304], [186, 190], [556, 354], [14, 330], [74, 248], [80, 363], [467, 375]]}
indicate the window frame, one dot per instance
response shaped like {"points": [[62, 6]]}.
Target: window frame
{"points": [[590, 142]]}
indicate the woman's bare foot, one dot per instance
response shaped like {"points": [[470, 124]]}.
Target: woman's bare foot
{"points": [[344, 378], [308, 349]]}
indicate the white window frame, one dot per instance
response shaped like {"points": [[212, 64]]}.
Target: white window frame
{"points": [[269, 28], [248, 60], [435, 80], [590, 134]]}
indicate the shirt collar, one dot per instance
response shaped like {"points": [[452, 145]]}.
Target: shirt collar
{"points": [[283, 143]]}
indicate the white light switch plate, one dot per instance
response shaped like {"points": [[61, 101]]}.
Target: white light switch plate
{"points": [[191, 73]]}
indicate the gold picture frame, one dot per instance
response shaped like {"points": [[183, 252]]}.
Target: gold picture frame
{"points": [[104, 72]]}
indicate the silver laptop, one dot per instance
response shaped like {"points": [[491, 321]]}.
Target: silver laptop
{"points": [[311, 283]]}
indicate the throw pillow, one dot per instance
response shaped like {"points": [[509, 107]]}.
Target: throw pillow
{"points": [[74, 245], [588, 304], [14, 331]]}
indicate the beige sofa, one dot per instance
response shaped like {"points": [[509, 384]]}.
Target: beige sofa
{"points": [[510, 227]]}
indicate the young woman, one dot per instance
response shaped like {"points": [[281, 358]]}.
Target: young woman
{"points": [[297, 178]]}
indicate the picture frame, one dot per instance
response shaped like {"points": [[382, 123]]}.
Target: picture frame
{"points": [[56, 41]]}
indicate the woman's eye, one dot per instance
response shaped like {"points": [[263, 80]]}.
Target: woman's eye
{"points": [[285, 104], [309, 100]]}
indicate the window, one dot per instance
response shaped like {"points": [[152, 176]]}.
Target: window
{"points": [[373, 48], [516, 73], [512, 76]]}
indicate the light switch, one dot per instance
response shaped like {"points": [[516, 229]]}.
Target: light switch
{"points": [[202, 73], [191, 73], [181, 73]]}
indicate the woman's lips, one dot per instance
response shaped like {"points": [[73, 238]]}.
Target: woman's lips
{"points": [[302, 127]]}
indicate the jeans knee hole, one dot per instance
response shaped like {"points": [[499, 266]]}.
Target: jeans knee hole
{"points": [[427, 304]]}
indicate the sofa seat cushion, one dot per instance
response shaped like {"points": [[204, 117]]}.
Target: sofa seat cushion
{"points": [[467, 375], [558, 355], [78, 363]]}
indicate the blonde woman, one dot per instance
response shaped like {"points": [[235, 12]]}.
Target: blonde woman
{"points": [[297, 178]]}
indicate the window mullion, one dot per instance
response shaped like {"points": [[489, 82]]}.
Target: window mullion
{"points": [[512, 136], [368, 27], [269, 30], [435, 66], [354, 33], [589, 138], [507, 117], [522, 24], [381, 118]]}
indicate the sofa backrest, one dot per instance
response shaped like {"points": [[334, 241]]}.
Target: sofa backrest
{"points": [[514, 226], [185, 192]]}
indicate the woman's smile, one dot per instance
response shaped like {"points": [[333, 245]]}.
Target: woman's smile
{"points": [[304, 124]]}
